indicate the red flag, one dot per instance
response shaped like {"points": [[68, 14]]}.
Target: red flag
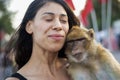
{"points": [[88, 8], [83, 18], [70, 3]]}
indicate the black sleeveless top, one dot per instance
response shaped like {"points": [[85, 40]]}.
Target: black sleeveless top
{"points": [[19, 76]]}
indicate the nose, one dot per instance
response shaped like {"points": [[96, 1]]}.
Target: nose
{"points": [[76, 51], [57, 25]]}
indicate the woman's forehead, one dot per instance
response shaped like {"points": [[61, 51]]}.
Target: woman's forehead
{"points": [[51, 8]]}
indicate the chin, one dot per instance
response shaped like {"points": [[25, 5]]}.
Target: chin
{"points": [[55, 49]]}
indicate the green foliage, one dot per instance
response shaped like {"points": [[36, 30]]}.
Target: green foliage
{"points": [[115, 10], [2, 6], [5, 17]]}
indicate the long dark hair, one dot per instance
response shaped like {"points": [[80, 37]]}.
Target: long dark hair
{"points": [[21, 42]]}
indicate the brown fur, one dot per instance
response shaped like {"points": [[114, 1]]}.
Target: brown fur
{"points": [[88, 59]]}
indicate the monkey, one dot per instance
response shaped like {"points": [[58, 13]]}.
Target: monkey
{"points": [[88, 59]]}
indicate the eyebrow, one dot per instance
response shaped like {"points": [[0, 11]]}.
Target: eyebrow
{"points": [[50, 13]]}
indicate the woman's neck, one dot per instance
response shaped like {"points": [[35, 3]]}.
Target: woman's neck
{"points": [[41, 60]]}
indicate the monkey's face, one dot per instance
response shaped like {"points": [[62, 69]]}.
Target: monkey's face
{"points": [[75, 50], [77, 44]]}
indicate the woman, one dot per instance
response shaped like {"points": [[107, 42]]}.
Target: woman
{"points": [[39, 39]]}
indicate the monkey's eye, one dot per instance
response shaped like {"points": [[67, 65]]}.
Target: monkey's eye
{"points": [[81, 39], [72, 44]]}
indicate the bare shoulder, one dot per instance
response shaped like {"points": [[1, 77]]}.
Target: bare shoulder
{"points": [[11, 78]]}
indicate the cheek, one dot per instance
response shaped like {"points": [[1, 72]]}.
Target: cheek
{"points": [[37, 37], [37, 33], [66, 28], [39, 27]]}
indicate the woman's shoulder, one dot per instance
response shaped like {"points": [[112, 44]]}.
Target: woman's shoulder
{"points": [[11, 78]]}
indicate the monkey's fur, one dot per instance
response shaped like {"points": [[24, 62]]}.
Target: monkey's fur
{"points": [[88, 59]]}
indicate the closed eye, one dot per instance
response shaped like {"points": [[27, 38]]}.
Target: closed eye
{"points": [[63, 21], [49, 20]]}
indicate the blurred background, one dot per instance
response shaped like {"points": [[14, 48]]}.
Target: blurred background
{"points": [[101, 15]]}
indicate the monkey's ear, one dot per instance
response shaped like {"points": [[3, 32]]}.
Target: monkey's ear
{"points": [[91, 33], [75, 27]]}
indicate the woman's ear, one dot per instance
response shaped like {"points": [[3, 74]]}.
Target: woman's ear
{"points": [[29, 27]]}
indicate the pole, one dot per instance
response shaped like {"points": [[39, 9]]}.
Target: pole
{"points": [[94, 21], [103, 14], [108, 23]]}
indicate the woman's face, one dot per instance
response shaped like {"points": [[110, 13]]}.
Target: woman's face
{"points": [[49, 27]]}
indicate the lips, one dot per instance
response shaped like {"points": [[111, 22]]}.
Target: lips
{"points": [[56, 36]]}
